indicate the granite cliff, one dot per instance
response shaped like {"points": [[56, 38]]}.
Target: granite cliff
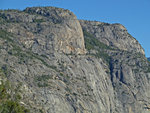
{"points": [[65, 65]]}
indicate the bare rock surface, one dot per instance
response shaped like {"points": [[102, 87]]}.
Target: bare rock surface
{"points": [[65, 65], [115, 35]]}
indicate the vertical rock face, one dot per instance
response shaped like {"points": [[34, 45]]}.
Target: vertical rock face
{"points": [[42, 49], [65, 29], [114, 35], [47, 30]]}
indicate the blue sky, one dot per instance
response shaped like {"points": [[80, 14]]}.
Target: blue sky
{"points": [[133, 14]]}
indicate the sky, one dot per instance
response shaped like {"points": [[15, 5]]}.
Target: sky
{"points": [[133, 14]]}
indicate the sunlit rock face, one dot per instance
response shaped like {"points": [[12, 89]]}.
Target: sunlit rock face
{"points": [[47, 29], [115, 35], [65, 65]]}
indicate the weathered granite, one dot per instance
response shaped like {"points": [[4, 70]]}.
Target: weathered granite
{"points": [[115, 35], [43, 48]]}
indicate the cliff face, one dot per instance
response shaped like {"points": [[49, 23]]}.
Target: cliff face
{"points": [[114, 35], [68, 66], [46, 29]]}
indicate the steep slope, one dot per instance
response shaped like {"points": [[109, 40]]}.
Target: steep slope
{"points": [[10, 98], [45, 29], [114, 35], [64, 67]]}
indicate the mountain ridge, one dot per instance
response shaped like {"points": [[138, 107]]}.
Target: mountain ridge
{"points": [[73, 66]]}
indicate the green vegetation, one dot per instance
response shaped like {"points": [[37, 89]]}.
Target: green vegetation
{"points": [[17, 51], [4, 69], [2, 21], [38, 20], [42, 81], [102, 54], [31, 12], [148, 70], [42, 84], [23, 55], [43, 78], [91, 43], [4, 16], [9, 97], [44, 56], [136, 70], [5, 35]]}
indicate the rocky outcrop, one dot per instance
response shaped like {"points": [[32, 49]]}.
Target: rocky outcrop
{"points": [[45, 30], [62, 69], [114, 35]]}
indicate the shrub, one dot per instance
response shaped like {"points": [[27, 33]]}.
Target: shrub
{"points": [[38, 20], [92, 43], [42, 81], [9, 98], [148, 70], [43, 78], [10, 106], [5, 35]]}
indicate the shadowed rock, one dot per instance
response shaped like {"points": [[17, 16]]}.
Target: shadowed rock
{"points": [[63, 65]]}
